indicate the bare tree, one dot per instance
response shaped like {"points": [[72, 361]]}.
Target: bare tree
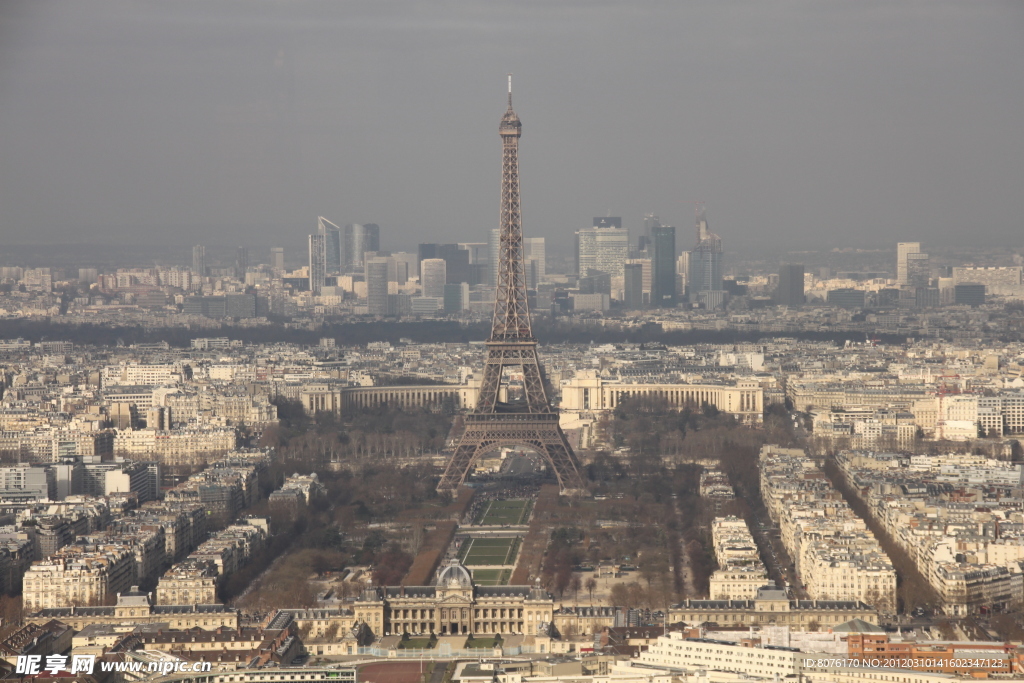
{"points": [[575, 584]]}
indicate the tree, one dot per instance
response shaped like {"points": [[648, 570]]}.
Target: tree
{"points": [[591, 586], [391, 566], [575, 584], [620, 595]]}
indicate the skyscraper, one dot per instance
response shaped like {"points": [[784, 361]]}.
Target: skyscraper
{"points": [[705, 260], [918, 269], [359, 239], [277, 258], [457, 260], [332, 233], [433, 275], [241, 263], [663, 282], [650, 223], [371, 237], [406, 265], [535, 258], [682, 273], [317, 262], [603, 247], [633, 286], [903, 249], [456, 297], [790, 291], [199, 260], [376, 273], [611, 243]]}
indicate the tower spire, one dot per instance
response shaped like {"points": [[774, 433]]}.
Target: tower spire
{"points": [[510, 91]]}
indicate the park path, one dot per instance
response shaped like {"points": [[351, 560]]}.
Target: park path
{"points": [[688, 585]]}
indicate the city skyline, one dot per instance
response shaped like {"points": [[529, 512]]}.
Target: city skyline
{"points": [[247, 433]]}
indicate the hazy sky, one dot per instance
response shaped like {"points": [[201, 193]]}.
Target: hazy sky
{"points": [[240, 121]]}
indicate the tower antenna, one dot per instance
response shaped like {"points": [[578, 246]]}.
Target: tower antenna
{"points": [[510, 89]]}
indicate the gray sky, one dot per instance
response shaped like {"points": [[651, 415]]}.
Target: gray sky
{"points": [[240, 121]]}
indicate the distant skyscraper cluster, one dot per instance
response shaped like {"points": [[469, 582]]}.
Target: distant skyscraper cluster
{"points": [[653, 272]]}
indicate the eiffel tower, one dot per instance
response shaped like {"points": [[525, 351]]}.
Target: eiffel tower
{"points": [[530, 420]]}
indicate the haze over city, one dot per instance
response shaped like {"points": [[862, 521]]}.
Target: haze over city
{"points": [[798, 123], [466, 342]]}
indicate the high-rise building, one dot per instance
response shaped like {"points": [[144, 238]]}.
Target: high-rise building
{"points": [[663, 280], [357, 240], [371, 237], [479, 271], [478, 252], [647, 268], [457, 260], [406, 265], [332, 233], [903, 249], [705, 260], [241, 263], [603, 247], [534, 252], [791, 286], [633, 286], [317, 262], [277, 258], [586, 251], [682, 273], [650, 223], [456, 297], [433, 276], [918, 269], [612, 250], [376, 272], [199, 260]]}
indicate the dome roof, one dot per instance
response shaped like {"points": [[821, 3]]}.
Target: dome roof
{"points": [[454, 576]]}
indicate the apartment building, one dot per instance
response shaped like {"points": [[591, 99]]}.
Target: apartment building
{"points": [[741, 572], [836, 556], [956, 516], [78, 575], [192, 582]]}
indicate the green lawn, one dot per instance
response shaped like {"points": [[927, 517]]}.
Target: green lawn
{"points": [[491, 577], [489, 551], [417, 644], [500, 512], [482, 642]]}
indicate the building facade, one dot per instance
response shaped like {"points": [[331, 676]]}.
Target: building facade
{"points": [[772, 606], [587, 391], [455, 605]]}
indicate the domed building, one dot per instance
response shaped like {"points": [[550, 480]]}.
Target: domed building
{"points": [[455, 605]]}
